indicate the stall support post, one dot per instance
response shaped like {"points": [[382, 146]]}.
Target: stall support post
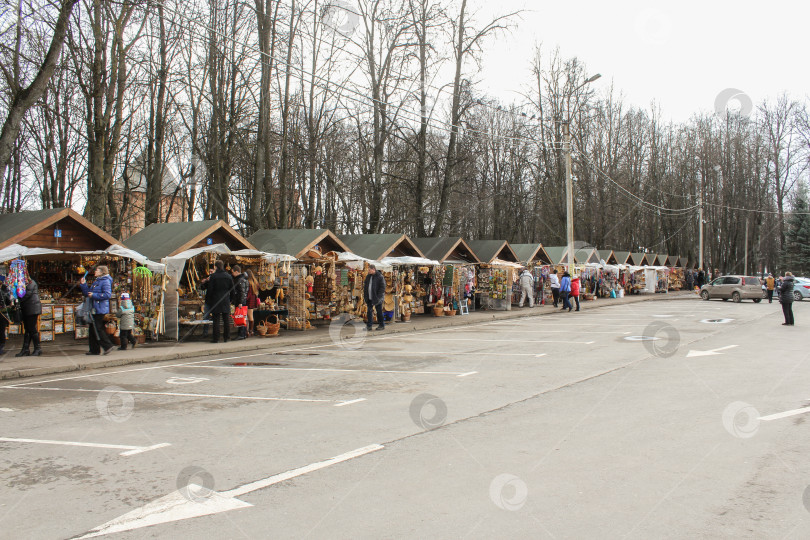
{"points": [[569, 198]]}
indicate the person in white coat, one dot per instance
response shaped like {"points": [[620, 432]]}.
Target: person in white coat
{"points": [[526, 287], [554, 282]]}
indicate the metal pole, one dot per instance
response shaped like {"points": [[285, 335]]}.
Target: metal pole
{"points": [[700, 224], [569, 198]]}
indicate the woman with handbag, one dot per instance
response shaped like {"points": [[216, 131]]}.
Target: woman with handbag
{"points": [[99, 292], [31, 308]]}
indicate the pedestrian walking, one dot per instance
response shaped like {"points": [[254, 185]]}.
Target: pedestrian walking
{"points": [[99, 293], [690, 280], [218, 295], [565, 291], [554, 282], [526, 287], [126, 322], [770, 283], [575, 287], [6, 312], [239, 295], [701, 278], [786, 298], [374, 294]]}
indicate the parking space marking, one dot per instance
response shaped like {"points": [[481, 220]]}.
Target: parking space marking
{"points": [[514, 341], [176, 394], [336, 370], [785, 414], [129, 449], [344, 403]]}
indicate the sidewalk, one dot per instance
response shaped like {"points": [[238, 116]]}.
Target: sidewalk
{"points": [[60, 359]]}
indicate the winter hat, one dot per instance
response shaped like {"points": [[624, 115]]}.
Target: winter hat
{"points": [[124, 296], [2, 278]]}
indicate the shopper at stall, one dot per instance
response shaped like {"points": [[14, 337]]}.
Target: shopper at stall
{"points": [[6, 312], [253, 301], [565, 291], [701, 278], [31, 309], [786, 298], [126, 322], [239, 295], [554, 282], [575, 287], [526, 287], [206, 302], [99, 293], [690, 280], [218, 295], [374, 294]]}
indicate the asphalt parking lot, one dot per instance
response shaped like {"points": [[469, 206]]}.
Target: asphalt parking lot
{"points": [[657, 419]]}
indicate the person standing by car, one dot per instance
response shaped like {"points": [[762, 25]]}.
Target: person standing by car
{"points": [[374, 294], [218, 295], [100, 293], [786, 298], [770, 283]]}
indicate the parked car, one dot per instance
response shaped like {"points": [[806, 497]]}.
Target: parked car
{"points": [[801, 288], [737, 288]]}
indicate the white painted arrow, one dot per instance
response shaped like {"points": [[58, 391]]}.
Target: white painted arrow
{"points": [[710, 352], [177, 506]]}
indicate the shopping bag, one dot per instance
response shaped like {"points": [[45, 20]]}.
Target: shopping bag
{"points": [[240, 316], [84, 312]]}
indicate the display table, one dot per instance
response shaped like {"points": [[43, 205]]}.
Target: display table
{"points": [[188, 328], [261, 315]]}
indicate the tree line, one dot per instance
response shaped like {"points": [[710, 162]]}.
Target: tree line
{"points": [[365, 116]]}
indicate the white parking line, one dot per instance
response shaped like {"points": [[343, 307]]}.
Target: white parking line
{"points": [[513, 341], [176, 394], [130, 450], [344, 403], [785, 414], [336, 370]]}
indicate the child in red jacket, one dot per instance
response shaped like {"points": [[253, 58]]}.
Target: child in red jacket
{"points": [[575, 290]]}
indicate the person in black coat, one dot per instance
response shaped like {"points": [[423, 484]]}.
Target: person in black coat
{"points": [[31, 308], [374, 294], [5, 312], [218, 297], [786, 298], [239, 294]]}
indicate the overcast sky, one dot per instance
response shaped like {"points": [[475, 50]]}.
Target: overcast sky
{"points": [[680, 55]]}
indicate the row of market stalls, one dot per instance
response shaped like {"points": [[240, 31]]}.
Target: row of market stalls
{"points": [[304, 276]]}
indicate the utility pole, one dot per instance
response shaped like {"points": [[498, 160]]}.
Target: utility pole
{"points": [[700, 224], [569, 183], [569, 197]]}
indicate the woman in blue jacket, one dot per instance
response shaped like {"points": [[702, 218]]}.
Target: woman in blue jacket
{"points": [[99, 292], [565, 291]]}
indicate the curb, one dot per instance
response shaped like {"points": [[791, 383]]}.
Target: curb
{"points": [[428, 323]]}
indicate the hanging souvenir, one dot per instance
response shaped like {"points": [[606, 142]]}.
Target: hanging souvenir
{"points": [[17, 272]]}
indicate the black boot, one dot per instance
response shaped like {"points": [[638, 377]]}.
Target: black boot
{"points": [[37, 348], [26, 344]]}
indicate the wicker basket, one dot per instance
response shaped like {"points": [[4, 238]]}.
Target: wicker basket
{"points": [[438, 311]]}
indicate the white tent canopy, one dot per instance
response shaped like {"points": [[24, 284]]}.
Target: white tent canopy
{"points": [[16, 251], [501, 262], [416, 261], [356, 262]]}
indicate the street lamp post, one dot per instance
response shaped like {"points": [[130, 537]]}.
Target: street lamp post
{"points": [[569, 183]]}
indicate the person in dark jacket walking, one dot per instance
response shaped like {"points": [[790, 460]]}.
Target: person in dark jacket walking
{"points": [[218, 297], [206, 303], [239, 294], [31, 309], [100, 293], [374, 294], [786, 298], [5, 312]]}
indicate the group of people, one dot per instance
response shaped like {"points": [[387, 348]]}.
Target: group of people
{"points": [[224, 289], [27, 310], [564, 289], [699, 278]]}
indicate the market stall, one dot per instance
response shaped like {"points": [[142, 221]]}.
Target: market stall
{"points": [[57, 248], [329, 280], [406, 262], [638, 259], [192, 247], [497, 274], [453, 279], [535, 258]]}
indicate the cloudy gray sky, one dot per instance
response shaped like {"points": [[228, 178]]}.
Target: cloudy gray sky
{"points": [[679, 54]]}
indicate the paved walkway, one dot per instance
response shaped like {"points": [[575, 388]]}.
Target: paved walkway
{"points": [[57, 358]]}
